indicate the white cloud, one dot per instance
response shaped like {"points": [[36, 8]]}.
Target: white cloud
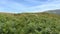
{"points": [[19, 7], [47, 6]]}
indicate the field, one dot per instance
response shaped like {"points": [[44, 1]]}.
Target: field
{"points": [[29, 23]]}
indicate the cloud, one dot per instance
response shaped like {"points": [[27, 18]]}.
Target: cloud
{"points": [[6, 5], [47, 6], [28, 5]]}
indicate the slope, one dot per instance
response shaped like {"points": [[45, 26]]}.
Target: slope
{"points": [[29, 23]]}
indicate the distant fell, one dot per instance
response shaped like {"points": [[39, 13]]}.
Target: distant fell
{"points": [[57, 11]]}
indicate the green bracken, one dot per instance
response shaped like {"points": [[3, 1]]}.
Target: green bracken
{"points": [[29, 23]]}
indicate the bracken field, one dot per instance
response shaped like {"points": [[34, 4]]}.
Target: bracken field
{"points": [[29, 23]]}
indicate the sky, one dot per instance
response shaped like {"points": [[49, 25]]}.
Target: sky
{"points": [[19, 6]]}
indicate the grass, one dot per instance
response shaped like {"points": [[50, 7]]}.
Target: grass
{"points": [[29, 23]]}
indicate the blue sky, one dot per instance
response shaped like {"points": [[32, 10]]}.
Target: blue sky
{"points": [[28, 5]]}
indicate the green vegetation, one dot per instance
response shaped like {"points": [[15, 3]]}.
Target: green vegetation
{"points": [[29, 23]]}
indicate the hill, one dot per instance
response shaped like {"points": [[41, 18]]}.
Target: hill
{"points": [[29, 23], [57, 11]]}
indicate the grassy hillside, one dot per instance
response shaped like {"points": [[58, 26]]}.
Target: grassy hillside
{"points": [[29, 23]]}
